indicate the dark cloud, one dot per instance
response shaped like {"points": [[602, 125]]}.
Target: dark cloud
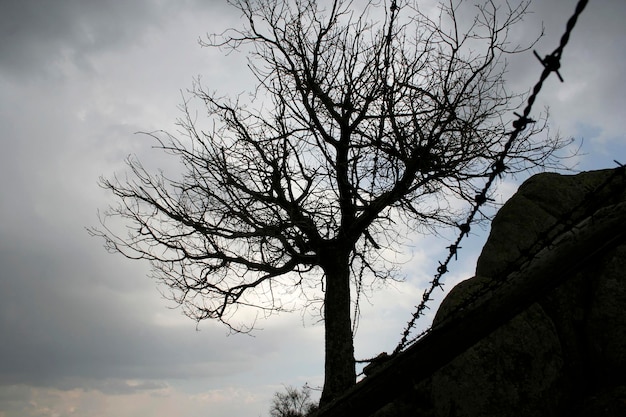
{"points": [[37, 37]]}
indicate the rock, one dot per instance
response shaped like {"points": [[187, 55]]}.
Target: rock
{"points": [[517, 365], [562, 348], [375, 364], [606, 320], [535, 208], [609, 403]]}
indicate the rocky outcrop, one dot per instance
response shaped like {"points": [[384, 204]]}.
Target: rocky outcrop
{"points": [[551, 281], [567, 351]]}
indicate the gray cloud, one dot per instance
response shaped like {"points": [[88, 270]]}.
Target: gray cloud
{"points": [[67, 319], [36, 37], [72, 314]]}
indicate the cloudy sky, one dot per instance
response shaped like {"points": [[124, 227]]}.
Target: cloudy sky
{"points": [[85, 333]]}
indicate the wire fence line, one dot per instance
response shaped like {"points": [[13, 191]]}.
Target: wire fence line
{"points": [[551, 64]]}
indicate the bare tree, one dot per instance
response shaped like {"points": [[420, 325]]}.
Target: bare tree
{"points": [[293, 403], [365, 123]]}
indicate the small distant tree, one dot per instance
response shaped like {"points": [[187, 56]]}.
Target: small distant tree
{"points": [[370, 119], [293, 403]]}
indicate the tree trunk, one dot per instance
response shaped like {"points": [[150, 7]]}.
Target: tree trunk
{"points": [[339, 371]]}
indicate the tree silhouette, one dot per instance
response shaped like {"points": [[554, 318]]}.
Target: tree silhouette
{"points": [[292, 403], [365, 124]]}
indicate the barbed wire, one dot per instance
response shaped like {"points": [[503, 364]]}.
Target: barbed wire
{"points": [[551, 64], [545, 238]]}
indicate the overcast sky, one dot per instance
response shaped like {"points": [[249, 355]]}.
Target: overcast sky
{"points": [[85, 333]]}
